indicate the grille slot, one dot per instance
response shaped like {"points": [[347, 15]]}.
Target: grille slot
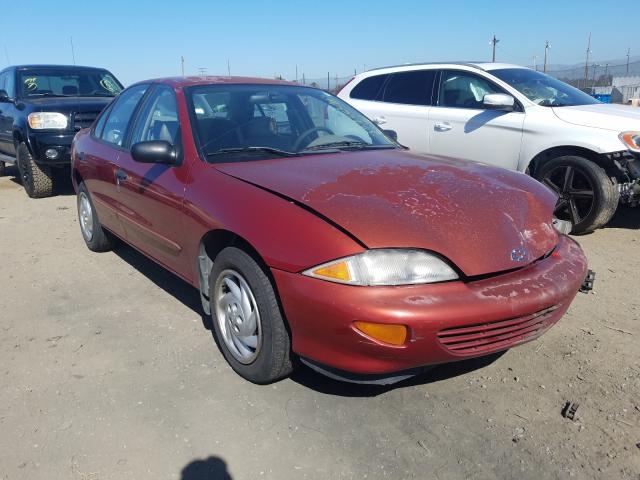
{"points": [[479, 338], [84, 119]]}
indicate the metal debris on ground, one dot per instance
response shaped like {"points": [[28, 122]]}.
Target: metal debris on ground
{"points": [[569, 410]]}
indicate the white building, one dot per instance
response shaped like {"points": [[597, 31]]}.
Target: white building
{"points": [[629, 86]]}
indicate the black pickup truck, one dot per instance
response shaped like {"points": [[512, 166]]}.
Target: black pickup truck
{"points": [[41, 109]]}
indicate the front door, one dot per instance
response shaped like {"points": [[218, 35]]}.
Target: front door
{"points": [[153, 193], [461, 127], [7, 113]]}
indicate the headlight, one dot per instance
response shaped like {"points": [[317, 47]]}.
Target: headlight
{"points": [[385, 267], [631, 140], [48, 120]]}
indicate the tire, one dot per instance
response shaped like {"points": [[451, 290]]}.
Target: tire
{"points": [[96, 237], [3, 169], [266, 358], [588, 197], [36, 179]]}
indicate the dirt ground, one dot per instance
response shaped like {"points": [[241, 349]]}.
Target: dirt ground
{"points": [[108, 370]]}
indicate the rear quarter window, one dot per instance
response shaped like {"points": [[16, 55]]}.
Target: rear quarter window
{"points": [[369, 88]]}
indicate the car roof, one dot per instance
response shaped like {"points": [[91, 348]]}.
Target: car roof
{"points": [[47, 66], [487, 66], [212, 80]]}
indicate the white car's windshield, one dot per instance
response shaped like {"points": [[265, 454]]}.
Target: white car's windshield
{"points": [[543, 89], [266, 120]]}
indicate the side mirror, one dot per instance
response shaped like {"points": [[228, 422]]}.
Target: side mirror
{"points": [[392, 134], [155, 151], [4, 97], [499, 101]]}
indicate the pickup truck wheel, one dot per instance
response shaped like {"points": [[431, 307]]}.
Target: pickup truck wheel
{"points": [[587, 196], [96, 237], [36, 179], [3, 169], [247, 321]]}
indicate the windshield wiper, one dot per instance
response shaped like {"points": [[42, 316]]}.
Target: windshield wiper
{"points": [[275, 151], [47, 95], [345, 144]]}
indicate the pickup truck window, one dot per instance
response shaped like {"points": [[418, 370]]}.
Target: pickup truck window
{"points": [[72, 82]]}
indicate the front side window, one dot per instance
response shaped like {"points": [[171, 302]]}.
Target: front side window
{"points": [[120, 113], [268, 120], [69, 82], [464, 90], [410, 88], [158, 120], [543, 89]]}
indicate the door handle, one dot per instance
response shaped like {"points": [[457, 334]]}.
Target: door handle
{"points": [[121, 176], [379, 120], [442, 126]]}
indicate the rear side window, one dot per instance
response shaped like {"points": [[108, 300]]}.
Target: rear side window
{"points": [[410, 88], [116, 124], [368, 88]]}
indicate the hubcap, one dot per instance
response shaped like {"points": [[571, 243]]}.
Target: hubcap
{"points": [[85, 213], [238, 316], [575, 190]]}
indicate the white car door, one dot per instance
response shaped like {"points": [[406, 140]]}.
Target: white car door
{"points": [[402, 104], [461, 126]]}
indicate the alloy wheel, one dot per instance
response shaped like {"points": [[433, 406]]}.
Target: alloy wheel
{"points": [[575, 191], [85, 213]]}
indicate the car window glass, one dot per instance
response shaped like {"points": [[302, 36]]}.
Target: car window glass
{"points": [[100, 123], [9, 84], [368, 88], [116, 124], [331, 120], [277, 112], [3, 76], [67, 82], [158, 119], [464, 90], [412, 88]]}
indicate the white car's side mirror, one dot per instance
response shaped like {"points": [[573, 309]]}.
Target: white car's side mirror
{"points": [[499, 101]]}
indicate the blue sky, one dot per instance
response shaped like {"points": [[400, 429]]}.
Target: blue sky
{"points": [[140, 39]]}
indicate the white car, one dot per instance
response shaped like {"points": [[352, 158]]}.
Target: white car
{"points": [[516, 118]]}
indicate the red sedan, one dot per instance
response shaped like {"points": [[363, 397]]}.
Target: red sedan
{"points": [[310, 234]]}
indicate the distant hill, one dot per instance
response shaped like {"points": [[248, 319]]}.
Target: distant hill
{"points": [[615, 67]]}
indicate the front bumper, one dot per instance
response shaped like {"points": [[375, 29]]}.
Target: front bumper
{"points": [[446, 322], [40, 142]]}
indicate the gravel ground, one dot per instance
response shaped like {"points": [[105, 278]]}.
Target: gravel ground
{"points": [[109, 371]]}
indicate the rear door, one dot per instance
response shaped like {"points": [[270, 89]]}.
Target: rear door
{"points": [[402, 104], [7, 114], [153, 193], [98, 162], [460, 126]]}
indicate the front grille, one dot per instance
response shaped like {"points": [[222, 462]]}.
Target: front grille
{"points": [[84, 119], [492, 336]]}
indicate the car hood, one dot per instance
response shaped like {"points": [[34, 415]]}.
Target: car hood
{"points": [[618, 118], [69, 104], [473, 214]]}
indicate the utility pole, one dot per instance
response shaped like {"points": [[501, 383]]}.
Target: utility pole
{"points": [[593, 82], [494, 42], [202, 71], [6, 54], [182, 64], [535, 66], [328, 80], [228, 67], [628, 54], [73, 53], [296, 73], [586, 63], [547, 46], [606, 70], [304, 80]]}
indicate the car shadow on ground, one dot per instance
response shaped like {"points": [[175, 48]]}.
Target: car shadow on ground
{"points": [[211, 468], [303, 375], [625, 217]]}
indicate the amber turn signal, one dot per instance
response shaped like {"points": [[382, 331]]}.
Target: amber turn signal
{"points": [[383, 332], [334, 271]]}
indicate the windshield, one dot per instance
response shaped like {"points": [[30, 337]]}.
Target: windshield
{"points": [[260, 121], [72, 82], [543, 89]]}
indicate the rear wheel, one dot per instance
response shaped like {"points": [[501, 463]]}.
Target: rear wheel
{"points": [[96, 237], [3, 169], [587, 196], [36, 179], [247, 321]]}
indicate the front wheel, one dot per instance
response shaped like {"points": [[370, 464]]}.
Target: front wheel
{"points": [[247, 321], [37, 180], [96, 237], [3, 169], [587, 196]]}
